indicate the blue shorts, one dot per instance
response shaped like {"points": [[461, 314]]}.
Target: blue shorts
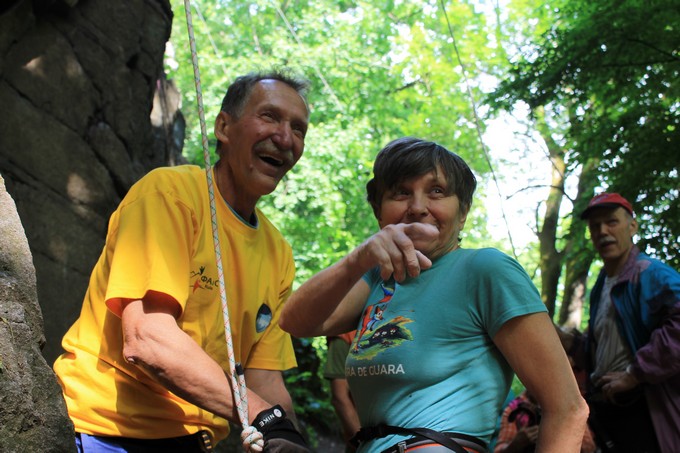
{"points": [[195, 443]]}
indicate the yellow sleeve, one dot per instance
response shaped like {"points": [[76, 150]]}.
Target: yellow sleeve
{"points": [[151, 250]]}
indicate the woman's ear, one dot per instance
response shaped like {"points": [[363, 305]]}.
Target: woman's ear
{"points": [[463, 213]]}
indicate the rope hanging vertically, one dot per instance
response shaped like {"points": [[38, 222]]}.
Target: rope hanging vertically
{"points": [[477, 127], [318, 72], [252, 439]]}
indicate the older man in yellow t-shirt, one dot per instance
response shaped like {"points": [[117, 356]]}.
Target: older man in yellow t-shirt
{"points": [[146, 363]]}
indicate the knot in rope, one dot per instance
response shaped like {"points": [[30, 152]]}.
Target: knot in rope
{"points": [[252, 439]]}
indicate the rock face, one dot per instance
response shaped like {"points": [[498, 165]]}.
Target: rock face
{"points": [[85, 111], [32, 410]]}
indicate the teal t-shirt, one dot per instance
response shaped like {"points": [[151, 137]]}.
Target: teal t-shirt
{"points": [[423, 354]]}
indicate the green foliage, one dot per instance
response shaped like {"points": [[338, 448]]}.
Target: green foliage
{"points": [[379, 71], [517, 387], [321, 205], [609, 70], [308, 388]]}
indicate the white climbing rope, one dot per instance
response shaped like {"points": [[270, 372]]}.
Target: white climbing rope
{"points": [[251, 438]]}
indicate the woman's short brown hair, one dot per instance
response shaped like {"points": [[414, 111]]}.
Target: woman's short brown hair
{"points": [[409, 157]]}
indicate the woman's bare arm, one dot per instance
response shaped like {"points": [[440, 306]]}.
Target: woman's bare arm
{"points": [[531, 346]]}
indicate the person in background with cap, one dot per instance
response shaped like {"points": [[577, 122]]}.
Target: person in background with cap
{"points": [[631, 349]]}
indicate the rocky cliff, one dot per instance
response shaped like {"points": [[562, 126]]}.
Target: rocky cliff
{"points": [[33, 414], [85, 111]]}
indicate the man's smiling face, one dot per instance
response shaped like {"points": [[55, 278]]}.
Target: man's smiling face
{"points": [[265, 141]]}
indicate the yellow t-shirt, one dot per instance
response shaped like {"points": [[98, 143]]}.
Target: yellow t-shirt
{"points": [[160, 239]]}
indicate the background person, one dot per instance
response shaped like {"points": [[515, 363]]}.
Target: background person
{"points": [[494, 437], [341, 397], [145, 363], [441, 327], [519, 427], [632, 347]]}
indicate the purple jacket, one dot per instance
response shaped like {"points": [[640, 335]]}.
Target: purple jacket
{"points": [[647, 301]]}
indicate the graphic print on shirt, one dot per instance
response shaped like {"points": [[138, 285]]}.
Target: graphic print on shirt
{"points": [[377, 332], [202, 281], [264, 318]]}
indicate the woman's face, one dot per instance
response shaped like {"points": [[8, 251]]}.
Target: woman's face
{"points": [[424, 199]]}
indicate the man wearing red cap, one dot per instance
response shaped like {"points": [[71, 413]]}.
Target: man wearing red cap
{"points": [[632, 347]]}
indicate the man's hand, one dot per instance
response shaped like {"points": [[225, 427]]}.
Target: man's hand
{"points": [[280, 435], [524, 438], [527, 436], [617, 382]]}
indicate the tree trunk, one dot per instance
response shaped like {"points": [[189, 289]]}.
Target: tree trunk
{"points": [[550, 260], [578, 255]]}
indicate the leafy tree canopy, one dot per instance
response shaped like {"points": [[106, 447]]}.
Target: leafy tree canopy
{"points": [[379, 70], [608, 69]]}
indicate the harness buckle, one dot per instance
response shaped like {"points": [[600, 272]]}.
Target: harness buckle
{"points": [[205, 442]]}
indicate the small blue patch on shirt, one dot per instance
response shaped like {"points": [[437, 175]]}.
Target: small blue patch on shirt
{"points": [[264, 318]]}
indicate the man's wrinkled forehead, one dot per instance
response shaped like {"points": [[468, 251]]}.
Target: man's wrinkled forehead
{"points": [[276, 85], [600, 213]]}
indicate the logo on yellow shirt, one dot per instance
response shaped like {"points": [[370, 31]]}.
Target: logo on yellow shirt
{"points": [[200, 280]]}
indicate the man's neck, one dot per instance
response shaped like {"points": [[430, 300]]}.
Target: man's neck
{"points": [[244, 208]]}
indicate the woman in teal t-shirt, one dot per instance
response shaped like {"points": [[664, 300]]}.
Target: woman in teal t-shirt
{"points": [[440, 328]]}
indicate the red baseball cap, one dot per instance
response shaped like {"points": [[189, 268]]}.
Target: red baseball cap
{"points": [[607, 200]]}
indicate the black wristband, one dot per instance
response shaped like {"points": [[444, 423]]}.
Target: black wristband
{"points": [[268, 418], [273, 424]]}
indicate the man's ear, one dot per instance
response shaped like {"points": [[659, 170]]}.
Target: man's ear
{"points": [[222, 123], [633, 227]]}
